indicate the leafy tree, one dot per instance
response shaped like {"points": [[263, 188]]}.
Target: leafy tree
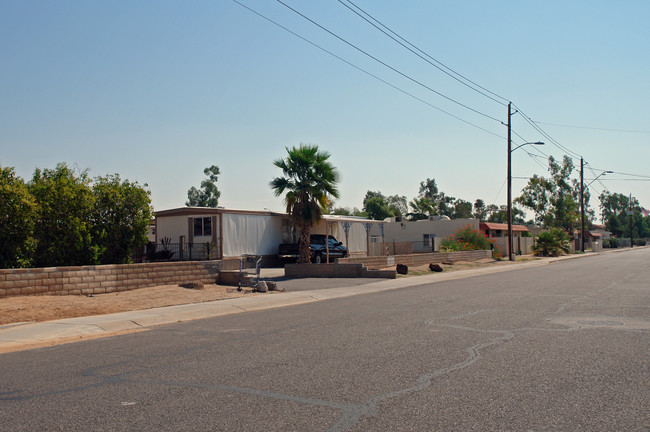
{"points": [[309, 180], [421, 208], [377, 206], [552, 242], [377, 209], [462, 209], [480, 210], [17, 217], [614, 208], [209, 194], [397, 204], [443, 203], [429, 189], [63, 229], [120, 218], [555, 201], [345, 211], [500, 214]]}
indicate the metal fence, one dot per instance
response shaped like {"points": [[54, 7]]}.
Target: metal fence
{"points": [[180, 251]]}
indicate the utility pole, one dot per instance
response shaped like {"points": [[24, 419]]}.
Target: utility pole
{"points": [[631, 212], [510, 255], [582, 205]]}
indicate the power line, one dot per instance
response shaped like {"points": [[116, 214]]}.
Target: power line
{"points": [[386, 64], [365, 71], [546, 135], [420, 53], [594, 128]]}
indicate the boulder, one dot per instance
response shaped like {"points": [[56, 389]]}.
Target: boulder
{"points": [[435, 267], [402, 269], [272, 286]]}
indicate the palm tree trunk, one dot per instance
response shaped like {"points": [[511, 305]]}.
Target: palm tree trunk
{"points": [[304, 246]]}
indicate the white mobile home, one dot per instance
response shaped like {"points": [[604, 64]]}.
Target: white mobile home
{"points": [[217, 233]]}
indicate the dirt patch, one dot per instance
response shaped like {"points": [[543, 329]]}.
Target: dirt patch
{"points": [[47, 307]]}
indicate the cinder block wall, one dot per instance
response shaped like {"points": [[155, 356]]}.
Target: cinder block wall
{"points": [[418, 259], [104, 279]]}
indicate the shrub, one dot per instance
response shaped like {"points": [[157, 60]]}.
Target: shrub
{"points": [[466, 239], [639, 242], [553, 242]]}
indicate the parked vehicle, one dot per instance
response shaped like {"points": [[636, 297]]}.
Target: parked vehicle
{"points": [[288, 252]]}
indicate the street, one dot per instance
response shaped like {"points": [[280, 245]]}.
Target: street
{"points": [[558, 347]]}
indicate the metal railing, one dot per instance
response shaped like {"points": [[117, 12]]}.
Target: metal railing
{"points": [[180, 251]]}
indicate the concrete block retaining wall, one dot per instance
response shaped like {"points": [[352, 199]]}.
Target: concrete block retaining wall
{"points": [[105, 278], [418, 259], [338, 270]]}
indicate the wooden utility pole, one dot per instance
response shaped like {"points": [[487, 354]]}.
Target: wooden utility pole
{"points": [[510, 255], [582, 205], [631, 212]]}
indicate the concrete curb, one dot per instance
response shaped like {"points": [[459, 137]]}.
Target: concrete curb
{"points": [[31, 335]]}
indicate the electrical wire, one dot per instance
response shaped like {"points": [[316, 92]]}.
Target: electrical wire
{"points": [[546, 135], [420, 53], [594, 128], [365, 71], [350, 44]]}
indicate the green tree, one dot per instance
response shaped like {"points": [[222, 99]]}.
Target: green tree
{"points": [[120, 218], [421, 208], [209, 194], [480, 210], [310, 182], [614, 208], [444, 204], [376, 208], [462, 209], [63, 230], [379, 207], [555, 201], [397, 204], [17, 217], [500, 214]]}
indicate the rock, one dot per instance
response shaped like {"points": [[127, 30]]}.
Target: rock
{"points": [[402, 269], [435, 267], [261, 286], [192, 285], [272, 286]]}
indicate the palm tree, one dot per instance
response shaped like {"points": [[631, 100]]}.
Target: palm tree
{"points": [[553, 242], [421, 208], [310, 182]]}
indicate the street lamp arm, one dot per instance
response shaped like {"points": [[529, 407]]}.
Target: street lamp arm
{"points": [[601, 174], [528, 143]]}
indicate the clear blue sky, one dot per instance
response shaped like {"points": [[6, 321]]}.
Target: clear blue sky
{"points": [[158, 90]]}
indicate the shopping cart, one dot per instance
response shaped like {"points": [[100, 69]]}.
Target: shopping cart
{"points": [[249, 271]]}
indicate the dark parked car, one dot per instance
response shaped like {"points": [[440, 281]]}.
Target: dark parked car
{"points": [[288, 252]]}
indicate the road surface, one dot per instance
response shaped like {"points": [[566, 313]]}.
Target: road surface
{"points": [[560, 347]]}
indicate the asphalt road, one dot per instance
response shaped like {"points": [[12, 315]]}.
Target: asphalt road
{"points": [[561, 347]]}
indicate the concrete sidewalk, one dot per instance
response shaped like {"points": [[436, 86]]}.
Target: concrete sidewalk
{"points": [[15, 337]]}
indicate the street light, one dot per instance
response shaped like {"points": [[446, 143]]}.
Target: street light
{"points": [[582, 202], [510, 255]]}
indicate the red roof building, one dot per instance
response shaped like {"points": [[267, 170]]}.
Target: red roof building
{"points": [[495, 230]]}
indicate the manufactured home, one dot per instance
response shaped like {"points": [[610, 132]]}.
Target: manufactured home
{"points": [[200, 233]]}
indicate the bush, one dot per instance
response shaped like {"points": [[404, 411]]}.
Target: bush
{"points": [[466, 239], [553, 242], [639, 242]]}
